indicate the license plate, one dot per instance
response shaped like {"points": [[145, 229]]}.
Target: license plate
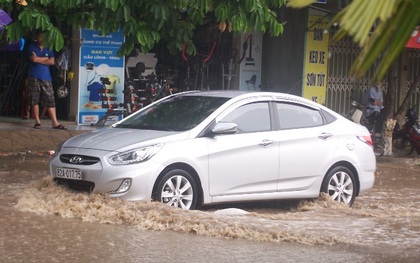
{"points": [[69, 173]]}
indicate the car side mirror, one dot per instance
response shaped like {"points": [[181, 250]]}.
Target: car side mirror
{"points": [[225, 128]]}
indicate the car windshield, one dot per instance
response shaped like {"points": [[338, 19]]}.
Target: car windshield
{"points": [[180, 113]]}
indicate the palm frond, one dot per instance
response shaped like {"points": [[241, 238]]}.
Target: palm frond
{"points": [[380, 28]]}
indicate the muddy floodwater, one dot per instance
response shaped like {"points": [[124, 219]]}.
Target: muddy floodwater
{"points": [[42, 222]]}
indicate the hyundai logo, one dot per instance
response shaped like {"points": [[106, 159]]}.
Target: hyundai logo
{"points": [[76, 159]]}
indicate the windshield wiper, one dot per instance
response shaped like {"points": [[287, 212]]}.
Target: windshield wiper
{"points": [[148, 127], [123, 125], [156, 128]]}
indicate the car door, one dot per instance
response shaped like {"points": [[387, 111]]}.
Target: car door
{"points": [[247, 161], [307, 144]]}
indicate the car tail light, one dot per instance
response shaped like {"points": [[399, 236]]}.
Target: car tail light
{"points": [[366, 139]]}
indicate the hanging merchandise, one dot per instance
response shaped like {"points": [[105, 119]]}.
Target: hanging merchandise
{"points": [[62, 91], [62, 63]]}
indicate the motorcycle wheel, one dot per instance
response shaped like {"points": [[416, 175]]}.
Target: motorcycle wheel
{"points": [[401, 146], [379, 147]]}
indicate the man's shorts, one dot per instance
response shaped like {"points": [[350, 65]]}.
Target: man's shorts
{"points": [[40, 93]]}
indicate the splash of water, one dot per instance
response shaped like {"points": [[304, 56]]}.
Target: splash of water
{"points": [[46, 198]]}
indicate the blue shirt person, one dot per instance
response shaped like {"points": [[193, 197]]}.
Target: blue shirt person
{"points": [[36, 69], [40, 88]]}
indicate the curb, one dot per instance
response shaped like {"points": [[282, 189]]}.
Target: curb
{"points": [[14, 141]]}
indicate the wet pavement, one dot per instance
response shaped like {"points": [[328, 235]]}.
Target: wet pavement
{"points": [[18, 135], [42, 222]]}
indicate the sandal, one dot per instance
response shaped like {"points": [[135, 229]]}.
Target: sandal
{"points": [[60, 127], [37, 126]]}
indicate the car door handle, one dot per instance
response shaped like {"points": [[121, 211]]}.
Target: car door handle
{"points": [[266, 143], [325, 136]]}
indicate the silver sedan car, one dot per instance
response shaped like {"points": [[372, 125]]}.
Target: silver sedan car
{"points": [[206, 147]]}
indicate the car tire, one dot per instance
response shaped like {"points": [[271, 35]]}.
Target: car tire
{"points": [[177, 188], [401, 145], [379, 146], [340, 185]]}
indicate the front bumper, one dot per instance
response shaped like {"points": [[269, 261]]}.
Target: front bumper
{"points": [[102, 177]]}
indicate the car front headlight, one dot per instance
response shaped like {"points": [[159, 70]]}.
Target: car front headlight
{"points": [[136, 155]]}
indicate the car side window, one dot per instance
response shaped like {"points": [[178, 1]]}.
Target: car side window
{"points": [[293, 116], [252, 117]]}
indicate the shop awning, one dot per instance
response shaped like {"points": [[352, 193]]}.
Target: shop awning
{"points": [[414, 41]]}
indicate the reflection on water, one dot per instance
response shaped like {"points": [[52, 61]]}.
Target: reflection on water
{"points": [[386, 217]]}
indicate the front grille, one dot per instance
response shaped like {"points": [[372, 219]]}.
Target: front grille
{"points": [[77, 185], [84, 160]]}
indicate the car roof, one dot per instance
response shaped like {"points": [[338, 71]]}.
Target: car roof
{"points": [[241, 93], [214, 93], [236, 93]]}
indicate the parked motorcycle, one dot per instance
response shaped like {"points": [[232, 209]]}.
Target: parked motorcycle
{"points": [[407, 138], [137, 94], [357, 115]]}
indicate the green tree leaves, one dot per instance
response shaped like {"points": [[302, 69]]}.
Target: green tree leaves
{"points": [[143, 22], [392, 31], [34, 19]]}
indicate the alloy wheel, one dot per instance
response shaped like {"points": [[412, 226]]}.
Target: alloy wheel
{"points": [[341, 188], [177, 191]]}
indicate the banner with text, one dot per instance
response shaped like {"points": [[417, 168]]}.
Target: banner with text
{"points": [[101, 75], [250, 63], [316, 59]]}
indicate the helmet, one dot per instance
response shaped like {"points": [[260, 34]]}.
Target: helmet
{"points": [[411, 114]]}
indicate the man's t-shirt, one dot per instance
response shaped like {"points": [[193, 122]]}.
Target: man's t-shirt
{"points": [[37, 70]]}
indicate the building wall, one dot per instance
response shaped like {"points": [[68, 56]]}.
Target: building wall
{"points": [[282, 66]]}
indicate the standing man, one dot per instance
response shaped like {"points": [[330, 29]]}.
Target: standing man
{"points": [[374, 105], [40, 89]]}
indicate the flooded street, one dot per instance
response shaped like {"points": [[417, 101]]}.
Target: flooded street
{"points": [[41, 222]]}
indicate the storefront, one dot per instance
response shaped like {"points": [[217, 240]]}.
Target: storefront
{"points": [[300, 61]]}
